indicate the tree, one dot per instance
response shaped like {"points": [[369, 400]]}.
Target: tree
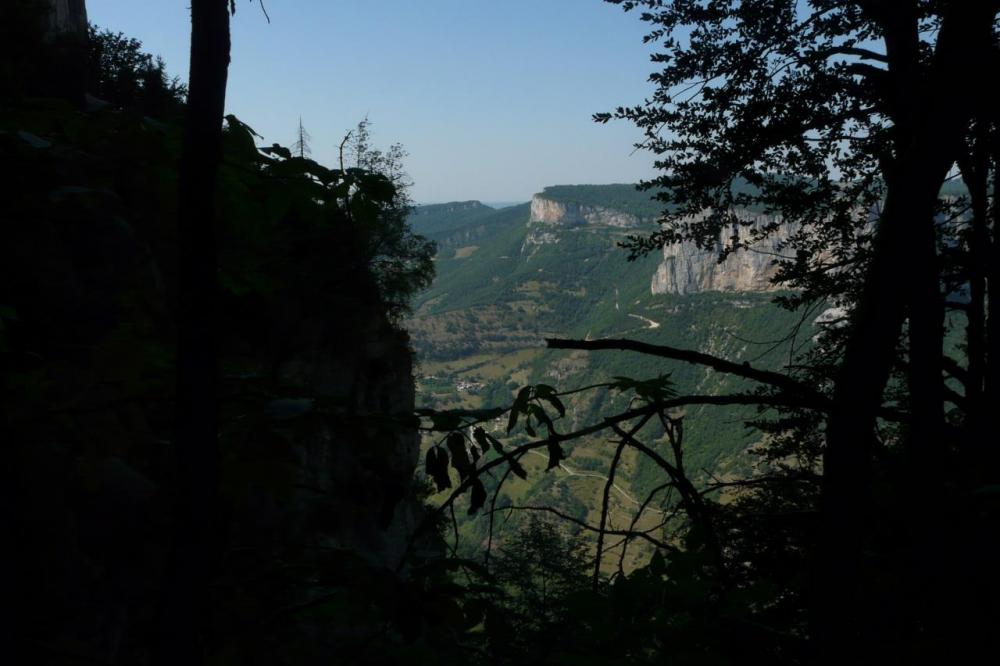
{"points": [[185, 614], [301, 145], [121, 73], [539, 568], [403, 262], [822, 112]]}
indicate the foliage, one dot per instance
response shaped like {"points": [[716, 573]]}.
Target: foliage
{"points": [[87, 356], [541, 569], [401, 260], [828, 116], [122, 74]]}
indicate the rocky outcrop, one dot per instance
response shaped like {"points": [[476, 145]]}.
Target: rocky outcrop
{"points": [[67, 16], [685, 268], [313, 464], [571, 214], [688, 269], [549, 217]]}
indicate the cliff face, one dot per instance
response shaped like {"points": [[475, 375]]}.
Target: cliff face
{"points": [[68, 16], [310, 369], [549, 217], [569, 214], [687, 269]]}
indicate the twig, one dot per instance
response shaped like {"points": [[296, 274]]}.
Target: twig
{"points": [[493, 506], [638, 516], [604, 512], [590, 528]]}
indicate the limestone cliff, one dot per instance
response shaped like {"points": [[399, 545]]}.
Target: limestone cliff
{"points": [[549, 217], [572, 214], [687, 269]]}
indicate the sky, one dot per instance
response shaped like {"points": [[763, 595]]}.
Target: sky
{"points": [[492, 99]]}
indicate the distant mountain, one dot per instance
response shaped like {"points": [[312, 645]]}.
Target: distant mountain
{"points": [[433, 219], [461, 223]]}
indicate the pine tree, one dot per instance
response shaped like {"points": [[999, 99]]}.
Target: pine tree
{"points": [[302, 138]]}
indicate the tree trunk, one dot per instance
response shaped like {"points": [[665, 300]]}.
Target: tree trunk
{"points": [[991, 383], [185, 619], [975, 174], [929, 127]]}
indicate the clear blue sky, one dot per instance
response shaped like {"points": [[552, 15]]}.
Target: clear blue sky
{"points": [[492, 99]]}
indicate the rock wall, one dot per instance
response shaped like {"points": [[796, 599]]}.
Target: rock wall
{"points": [[569, 214], [312, 370], [548, 218], [68, 16], [687, 269]]}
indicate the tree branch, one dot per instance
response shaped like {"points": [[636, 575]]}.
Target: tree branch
{"points": [[590, 528], [745, 370]]}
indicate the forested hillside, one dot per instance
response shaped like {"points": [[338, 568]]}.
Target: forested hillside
{"points": [[479, 336]]}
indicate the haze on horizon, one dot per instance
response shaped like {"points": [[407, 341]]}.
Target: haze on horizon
{"points": [[493, 101]]}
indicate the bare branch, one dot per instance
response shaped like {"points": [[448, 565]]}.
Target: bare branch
{"points": [[605, 500], [775, 379], [590, 528]]}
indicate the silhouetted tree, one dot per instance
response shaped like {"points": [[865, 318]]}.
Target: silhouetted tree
{"points": [[121, 73], [186, 616], [300, 146], [403, 262], [823, 112]]}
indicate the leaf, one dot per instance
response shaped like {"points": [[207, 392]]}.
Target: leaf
{"points": [[541, 416], [477, 497], [441, 421], [512, 419], [437, 467], [237, 124], [556, 404], [459, 455], [520, 405], [556, 455], [518, 470], [278, 150]]}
